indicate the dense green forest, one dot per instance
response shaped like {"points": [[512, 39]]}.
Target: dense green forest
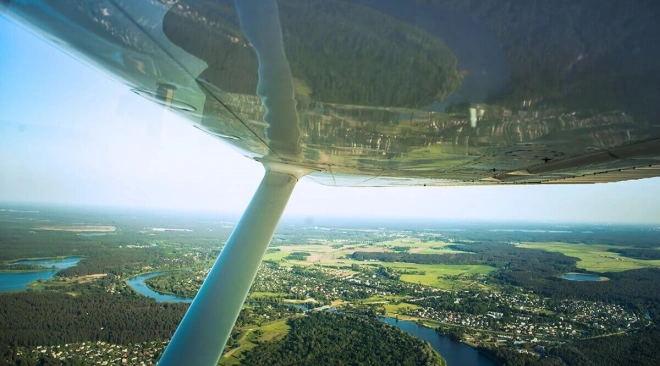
{"points": [[298, 256], [339, 339], [633, 349], [638, 253], [42, 318]]}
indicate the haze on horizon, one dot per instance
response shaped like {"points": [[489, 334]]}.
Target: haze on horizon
{"points": [[69, 135]]}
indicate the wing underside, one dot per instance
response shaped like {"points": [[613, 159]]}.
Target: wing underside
{"points": [[384, 93]]}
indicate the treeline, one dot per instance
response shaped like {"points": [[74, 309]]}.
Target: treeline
{"points": [[51, 318], [20, 267], [339, 339], [298, 256], [637, 253], [117, 261], [496, 255], [541, 271], [18, 243], [19, 239], [633, 349], [632, 288]]}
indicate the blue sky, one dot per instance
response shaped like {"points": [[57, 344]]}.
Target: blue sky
{"points": [[69, 134]]}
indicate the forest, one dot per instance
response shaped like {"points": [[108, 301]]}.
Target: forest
{"points": [[341, 339], [633, 349], [638, 253], [43, 318]]}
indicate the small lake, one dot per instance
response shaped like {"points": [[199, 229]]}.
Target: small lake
{"points": [[581, 277], [19, 281], [137, 283], [455, 353]]}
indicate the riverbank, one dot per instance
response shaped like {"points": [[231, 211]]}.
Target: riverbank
{"points": [[35, 261], [22, 280], [139, 285], [454, 353]]}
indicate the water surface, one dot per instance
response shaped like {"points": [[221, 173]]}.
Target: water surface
{"points": [[19, 281], [581, 277], [137, 283], [455, 353], [52, 263]]}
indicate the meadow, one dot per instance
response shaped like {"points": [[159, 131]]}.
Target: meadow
{"points": [[595, 257]]}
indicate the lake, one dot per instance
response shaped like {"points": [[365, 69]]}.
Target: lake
{"points": [[582, 277], [19, 281], [137, 283], [455, 353]]}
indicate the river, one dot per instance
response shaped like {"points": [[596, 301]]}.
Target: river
{"points": [[19, 281], [455, 353], [137, 283]]}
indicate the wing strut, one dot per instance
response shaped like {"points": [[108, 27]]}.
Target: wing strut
{"points": [[204, 330]]}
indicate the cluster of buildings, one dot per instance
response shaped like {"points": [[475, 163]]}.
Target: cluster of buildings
{"points": [[528, 315], [100, 353]]}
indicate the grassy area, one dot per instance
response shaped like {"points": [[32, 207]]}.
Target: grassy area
{"points": [[394, 309], [594, 257], [273, 331], [324, 254], [251, 336], [267, 294], [275, 256], [443, 276]]}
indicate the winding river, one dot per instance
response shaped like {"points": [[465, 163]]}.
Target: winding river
{"points": [[137, 283], [455, 353]]}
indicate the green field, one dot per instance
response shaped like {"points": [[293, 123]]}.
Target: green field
{"points": [[443, 276], [253, 335], [594, 257], [266, 294]]}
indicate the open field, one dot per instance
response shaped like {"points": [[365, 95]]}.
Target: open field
{"points": [[443, 276], [594, 257], [266, 294], [275, 330], [322, 253], [437, 275], [395, 309], [79, 228], [253, 335], [88, 278]]}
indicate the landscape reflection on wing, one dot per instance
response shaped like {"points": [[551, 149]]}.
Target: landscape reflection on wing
{"points": [[394, 92]]}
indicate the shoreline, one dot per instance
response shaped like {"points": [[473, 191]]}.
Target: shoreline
{"points": [[160, 292], [41, 268]]}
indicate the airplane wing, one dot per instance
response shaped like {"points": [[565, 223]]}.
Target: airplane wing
{"points": [[391, 93], [376, 93]]}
